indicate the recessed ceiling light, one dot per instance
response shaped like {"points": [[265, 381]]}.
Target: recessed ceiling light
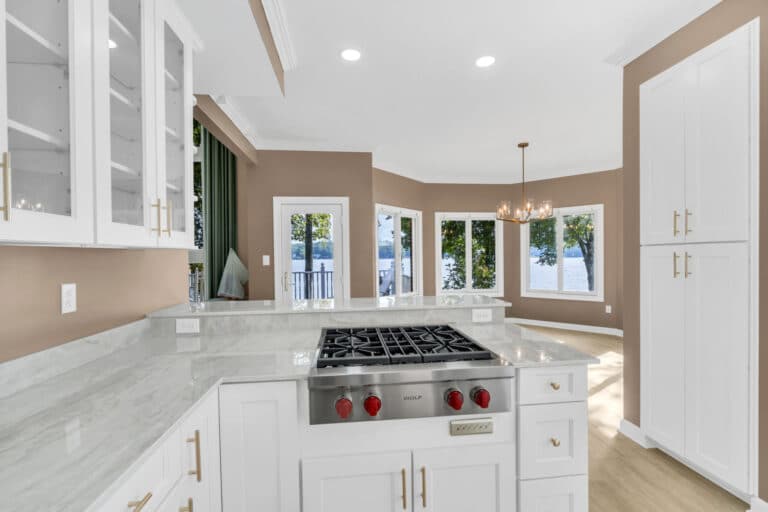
{"points": [[351, 55], [112, 45], [485, 61]]}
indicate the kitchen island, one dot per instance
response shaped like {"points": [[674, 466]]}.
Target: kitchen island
{"points": [[80, 421]]}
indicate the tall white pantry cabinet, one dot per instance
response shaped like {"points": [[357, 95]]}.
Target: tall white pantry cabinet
{"points": [[96, 123], [698, 235]]}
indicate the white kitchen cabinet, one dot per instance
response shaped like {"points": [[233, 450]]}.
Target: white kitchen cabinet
{"points": [[458, 479], [46, 128], [565, 494], [698, 140], [259, 447], [200, 461], [662, 330], [353, 483], [553, 440]]}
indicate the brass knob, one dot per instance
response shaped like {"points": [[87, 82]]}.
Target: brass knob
{"points": [[555, 386], [555, 442]]}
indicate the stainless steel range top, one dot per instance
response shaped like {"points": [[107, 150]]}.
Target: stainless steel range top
{"points": [[380, 373]]}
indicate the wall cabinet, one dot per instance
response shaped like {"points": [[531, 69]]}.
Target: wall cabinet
{"points": [[695, 355], [84, 122], [259, 447], [698, 145]]}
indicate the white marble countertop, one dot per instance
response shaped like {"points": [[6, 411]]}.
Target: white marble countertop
{"points": [[66, 439], [271, 307]]}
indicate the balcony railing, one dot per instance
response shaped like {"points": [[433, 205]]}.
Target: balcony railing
{"points": [[314, 284]]}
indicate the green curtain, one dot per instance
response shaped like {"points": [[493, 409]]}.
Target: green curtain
{"points": [[220, 207]]}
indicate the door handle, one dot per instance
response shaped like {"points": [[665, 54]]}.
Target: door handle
{"points": [[405, 498], [169, 217], [197, 471], [423, 487], [675, 272], [6, 166], [687, 215], [138, 506], [159, 228], [675, 217], [687, 259]]}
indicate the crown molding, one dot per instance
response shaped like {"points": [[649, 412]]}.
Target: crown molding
{"points": [[277, 25]]}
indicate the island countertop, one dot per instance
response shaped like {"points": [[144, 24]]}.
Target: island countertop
{"points": [[66, 439]]}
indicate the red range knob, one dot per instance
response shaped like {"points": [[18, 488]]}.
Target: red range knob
{"points": [[372, 405], [481, 397], [343, 407], [455, 399]]}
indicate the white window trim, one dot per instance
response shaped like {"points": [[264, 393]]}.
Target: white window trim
{"points": [[417, 254], [599, 294], [498, 291]]}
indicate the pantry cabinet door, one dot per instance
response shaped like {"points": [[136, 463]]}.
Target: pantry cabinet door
{"points": [[721, 138], [662, 334], [662, 157], [469, 478], [259, 447], [717, 361], [46, 128], [354, 483]]}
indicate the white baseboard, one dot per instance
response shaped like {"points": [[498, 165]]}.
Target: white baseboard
{"points": [[568, 327], [758, 505], [634, 433]]}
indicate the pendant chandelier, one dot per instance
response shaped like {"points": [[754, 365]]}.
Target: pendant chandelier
{"points": [[527, 211]]}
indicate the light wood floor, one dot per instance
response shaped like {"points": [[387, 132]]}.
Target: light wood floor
{"points": [[623, 477]]}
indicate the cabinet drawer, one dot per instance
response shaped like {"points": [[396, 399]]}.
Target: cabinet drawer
{"points": [[567, 494], [553, 440], [550, 385], [144, 480]]}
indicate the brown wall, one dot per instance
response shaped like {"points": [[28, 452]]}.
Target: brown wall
{"points": [[604, 187], [309, 173], [114, 287], [716, 23]]}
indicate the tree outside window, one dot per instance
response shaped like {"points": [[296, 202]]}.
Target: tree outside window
{"points": [[473, 239]]}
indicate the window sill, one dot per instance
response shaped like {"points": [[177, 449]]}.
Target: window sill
{"points": [[497, 294], [563, 296]]}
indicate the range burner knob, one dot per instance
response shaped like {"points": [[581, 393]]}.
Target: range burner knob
{"points": [[481, 397], [343, 407], [372, 405], [455, 399]]}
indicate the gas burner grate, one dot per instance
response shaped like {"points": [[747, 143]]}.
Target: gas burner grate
{"points": [[396, 345]]}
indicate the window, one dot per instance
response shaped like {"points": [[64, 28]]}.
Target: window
{"points": [[398, 251], [469, 254], [562, 257]]}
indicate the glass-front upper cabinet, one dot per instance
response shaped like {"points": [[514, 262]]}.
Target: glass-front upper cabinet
{"points": [[128, 203], [175, 155], [46, 130]]}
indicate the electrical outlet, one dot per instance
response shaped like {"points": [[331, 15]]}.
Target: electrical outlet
{"points": [[481, 316], [68, 298], [187, 326], [265, 260], [608, 309]]}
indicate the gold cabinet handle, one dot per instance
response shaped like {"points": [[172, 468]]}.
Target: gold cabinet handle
{"points": [[423, 487], [405, 499], [198, 470], [687, 215], [6, 208], [555, 442], [675, 217], [189, 508], [675, 272], [159, 228], [555, 385], [687, 259], [169, 217], [138, 506]]}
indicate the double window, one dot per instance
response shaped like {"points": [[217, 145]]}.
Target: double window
{"points": [[398, 251], [562, 257], [469, 254]]}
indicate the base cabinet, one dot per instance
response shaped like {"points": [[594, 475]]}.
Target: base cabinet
{"points": [[567, 494]]}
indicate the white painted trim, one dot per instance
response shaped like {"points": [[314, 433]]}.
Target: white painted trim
{"points": [[417, 239], [279, 28], [467, 217], [229, 106], [278, 202], [758, 505], [634, 433], [610, 331]]}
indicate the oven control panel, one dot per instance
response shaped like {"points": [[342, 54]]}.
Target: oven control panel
{"points": [[472, 427]]}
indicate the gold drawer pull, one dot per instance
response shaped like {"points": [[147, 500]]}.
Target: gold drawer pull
{"points": [[198, 470], [6, 166], [687, 259], [675, 272], [189, 508], [687, 215], [555, 386], [555, 442], [405, 499], [675, 216], [159, 227], [169, 217], [423, 487], [138, 506]]}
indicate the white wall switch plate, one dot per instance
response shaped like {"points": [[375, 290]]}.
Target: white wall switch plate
{"points": [[482, 316], [265, 260], [187, 326], [68, 298], [608, 309]]}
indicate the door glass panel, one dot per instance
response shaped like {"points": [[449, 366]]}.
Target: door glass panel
{"points": [[579, 253], [386, 249], [483, 254], [454, 254], [175, 129], [126, 112], [406, 253], [543, 255], [312, 261], [38, 104]]}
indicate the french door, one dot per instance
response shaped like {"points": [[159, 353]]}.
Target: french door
{"points": [[311, 248]]}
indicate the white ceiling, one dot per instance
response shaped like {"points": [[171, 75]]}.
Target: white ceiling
{"points": [[416, 99]]}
